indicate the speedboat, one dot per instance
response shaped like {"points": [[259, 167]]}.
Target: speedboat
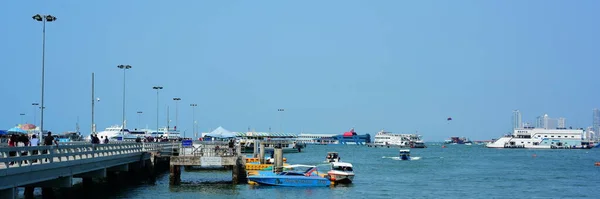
{"points": [[292, 176], [332, 157], [404, 154], [341, 172]]}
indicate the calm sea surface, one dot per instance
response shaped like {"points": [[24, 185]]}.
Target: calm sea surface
{"points": [[457, 171]]}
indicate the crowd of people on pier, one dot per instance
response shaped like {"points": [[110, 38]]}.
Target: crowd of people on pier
{"points": [[20, 140]]}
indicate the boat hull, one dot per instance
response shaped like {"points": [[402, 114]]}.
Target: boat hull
{"points": [[291, 181], [341, 178]]}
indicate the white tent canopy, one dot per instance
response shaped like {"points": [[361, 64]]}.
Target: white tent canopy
{"points": [[221, 132]]}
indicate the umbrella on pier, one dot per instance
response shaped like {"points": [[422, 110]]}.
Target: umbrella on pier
{"points": [[27, 126], [14, 130]]}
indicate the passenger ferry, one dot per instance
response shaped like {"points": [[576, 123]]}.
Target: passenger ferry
{"points": [[317, 138], [540, 138], [383, 138], [116, 132], [458, 140]]}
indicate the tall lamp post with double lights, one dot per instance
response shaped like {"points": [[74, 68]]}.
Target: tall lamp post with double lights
{"points": [[157, 88], [22, 115], [176, 99], [280, 119], [124, 67], [194, 120], [139, 118], [34, 106], [43, 19]]}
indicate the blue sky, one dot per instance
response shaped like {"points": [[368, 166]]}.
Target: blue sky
{"points": [[402, 66]]}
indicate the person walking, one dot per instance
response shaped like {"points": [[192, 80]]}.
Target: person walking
{"points": [[48, 140], [23, 141], [12, 142]]}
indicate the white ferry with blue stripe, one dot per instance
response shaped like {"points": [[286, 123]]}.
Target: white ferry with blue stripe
{"points": [[540, 138]]}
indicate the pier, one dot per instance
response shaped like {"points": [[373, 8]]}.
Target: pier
{"points": [[55, 166], [207, 154]]}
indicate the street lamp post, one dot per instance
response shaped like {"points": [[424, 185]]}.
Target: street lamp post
{"points": [[280, 119], [176, 99], [194, 120], [22, 115], [43, 19], [124, 67], [139, 118], [157, 88], [34, 106]]}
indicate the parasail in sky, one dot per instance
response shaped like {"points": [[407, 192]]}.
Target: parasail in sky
{"points": [[449, 118]]}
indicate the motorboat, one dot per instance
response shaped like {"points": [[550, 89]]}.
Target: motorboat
{"points": [[341, 172], [332, 157], [292, 176], [404, 154]]}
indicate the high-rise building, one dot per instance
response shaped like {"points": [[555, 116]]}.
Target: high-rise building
{"points": [[539, 122], [595, 120], [517, 122], [561, 122]]}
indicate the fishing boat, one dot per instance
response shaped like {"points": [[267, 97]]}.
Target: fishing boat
{"points": [[292, 176], [341, 172], [404, 154]]}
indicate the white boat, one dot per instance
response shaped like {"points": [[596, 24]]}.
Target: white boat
{"points": [[383, 138], [116, 132], [332, 157], [341, 172], [540, 138], [404, 154]]}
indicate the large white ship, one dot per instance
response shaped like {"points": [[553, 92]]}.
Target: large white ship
{"points": [[383, 138], [116, 132], [540, 138]]}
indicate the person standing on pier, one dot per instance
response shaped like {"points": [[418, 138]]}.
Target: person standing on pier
{"points": [[23, 141], [231, 146], [106, 140], [34, 142], [48, 140], [12, 142]]}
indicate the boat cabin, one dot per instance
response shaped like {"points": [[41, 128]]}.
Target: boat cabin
{"points": [[341, 166], [332, 157], [404, 154]]}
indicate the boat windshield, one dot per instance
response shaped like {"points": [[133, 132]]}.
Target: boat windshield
{"points": [[342, 168], [291, 173]]}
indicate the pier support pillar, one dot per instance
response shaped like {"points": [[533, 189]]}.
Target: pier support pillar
{"points": [[238, 173], [255, 150], [261, 153], [278, 166], [28, 192], [175, 175]]}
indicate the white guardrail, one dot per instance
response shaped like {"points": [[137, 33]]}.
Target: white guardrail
{"points": [[11, 157]]}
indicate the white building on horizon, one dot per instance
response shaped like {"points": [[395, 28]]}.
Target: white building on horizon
{"points": [[595, 120], [517, 120]]}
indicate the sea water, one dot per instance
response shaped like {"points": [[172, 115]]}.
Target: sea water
{"points": [[456, 171]]}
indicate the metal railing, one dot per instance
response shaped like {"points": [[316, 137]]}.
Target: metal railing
{"points": [[11, 157], [210, 149]]}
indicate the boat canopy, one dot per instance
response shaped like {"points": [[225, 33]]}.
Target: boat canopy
{"points": [[341, 164], [298, 165]]}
